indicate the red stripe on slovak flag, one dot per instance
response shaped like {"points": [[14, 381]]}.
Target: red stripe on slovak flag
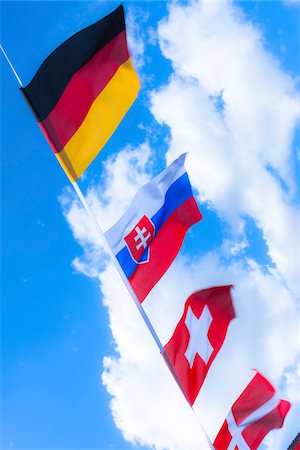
{"points": [[164, 248], [82, 90], [219, 307]]}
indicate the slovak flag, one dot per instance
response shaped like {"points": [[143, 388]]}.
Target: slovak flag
{"points": [[147, 238], [257, 411], [198, 337]]}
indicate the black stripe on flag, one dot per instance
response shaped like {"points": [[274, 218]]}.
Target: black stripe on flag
{"points": [[53, 76]]}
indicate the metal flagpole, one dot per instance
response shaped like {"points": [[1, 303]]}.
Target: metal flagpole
{"points": [[124, 278], [11, 66], [137, 302], [117, 264], [99, 229]]}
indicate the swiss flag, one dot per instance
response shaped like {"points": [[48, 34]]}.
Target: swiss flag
{"points": [[199, 336], [256, 412]]}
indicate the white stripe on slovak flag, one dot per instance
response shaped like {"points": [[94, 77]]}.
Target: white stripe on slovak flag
{"points": [[236, 430], [147, 201]]}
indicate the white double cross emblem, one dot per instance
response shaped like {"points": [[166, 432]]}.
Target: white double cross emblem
{"points": [[236, 430], [140, 236]]}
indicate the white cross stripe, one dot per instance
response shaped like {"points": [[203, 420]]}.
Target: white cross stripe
{"points": [[236, 430], [236, 434], [198, 329]]}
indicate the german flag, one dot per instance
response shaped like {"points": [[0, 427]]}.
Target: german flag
{"points": [[82, 91]]}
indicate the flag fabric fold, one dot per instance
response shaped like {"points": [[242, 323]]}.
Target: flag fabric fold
{"points": [[199, 336], [257, 411], [82, 91], [149, 235]]}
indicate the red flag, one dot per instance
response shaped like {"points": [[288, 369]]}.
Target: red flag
{"points": [[256, 412], [199, 336]]}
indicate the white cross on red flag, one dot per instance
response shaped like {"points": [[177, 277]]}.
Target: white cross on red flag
{"points": [[199, 335], [257, 411]]}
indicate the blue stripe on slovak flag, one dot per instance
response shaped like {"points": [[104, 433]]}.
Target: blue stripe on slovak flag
{"points": [[177, 194]]}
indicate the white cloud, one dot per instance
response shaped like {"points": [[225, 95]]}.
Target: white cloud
{"points": [[231, 150], [292, 379], [291, 2], [240, 155], [146, 404], [119, 183], [134, 19]]}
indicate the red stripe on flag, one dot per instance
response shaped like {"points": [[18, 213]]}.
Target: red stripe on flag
{"points": [[258, 410], [258, 392], [164, 248], [255, 432], [223, 439], [83, 88]]}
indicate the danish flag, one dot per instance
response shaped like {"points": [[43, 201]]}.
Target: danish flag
{"points": [[198, 337], [147, 238], [257, 411]]}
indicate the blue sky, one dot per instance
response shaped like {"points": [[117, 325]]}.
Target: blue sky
{"points": [[79, 369]]}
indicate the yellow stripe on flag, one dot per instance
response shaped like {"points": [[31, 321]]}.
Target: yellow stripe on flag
{"points": [[105, 114]]}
